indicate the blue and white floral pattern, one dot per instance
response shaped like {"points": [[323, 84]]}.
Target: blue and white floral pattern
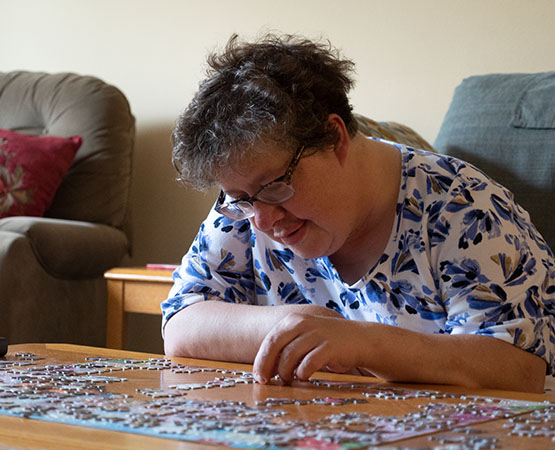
{"points": [[462, 258]]}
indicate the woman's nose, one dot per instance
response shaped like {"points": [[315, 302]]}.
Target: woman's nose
{"points": [[266, 215]]}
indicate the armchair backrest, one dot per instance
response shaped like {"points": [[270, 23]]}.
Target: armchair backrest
{"points": [[505, 125], [97, 186]]}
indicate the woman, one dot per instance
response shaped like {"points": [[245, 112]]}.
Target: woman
{"points": [[330, 250]]}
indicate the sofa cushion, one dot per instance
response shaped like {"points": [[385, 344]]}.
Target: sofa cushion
{"points": [[68, 249], [536, 107], [392, 131], [505, 125], [31, 170]]}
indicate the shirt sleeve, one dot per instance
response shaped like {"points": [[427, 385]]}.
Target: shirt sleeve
{"points": [[495, 270], [217, 266]]}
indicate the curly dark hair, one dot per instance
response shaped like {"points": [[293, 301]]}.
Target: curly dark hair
{"points": [[279, 89]]}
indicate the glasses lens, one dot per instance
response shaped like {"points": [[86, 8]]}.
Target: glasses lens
{"points": [[275, 193], [236, 211]]}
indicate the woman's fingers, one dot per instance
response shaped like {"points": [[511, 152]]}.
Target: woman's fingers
{"points": [[295, 353], [267, 359], [302, 344], [313, 361]]}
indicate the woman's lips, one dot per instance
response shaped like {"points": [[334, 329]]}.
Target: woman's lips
{"points": [[294, 236]]}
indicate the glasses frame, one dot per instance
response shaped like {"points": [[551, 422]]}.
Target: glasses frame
{"points": [[221, 205]]}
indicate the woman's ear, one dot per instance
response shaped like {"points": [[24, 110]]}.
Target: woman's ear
{"points": [[343, 139]]}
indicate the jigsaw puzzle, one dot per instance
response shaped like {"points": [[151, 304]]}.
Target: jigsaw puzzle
{"points": [[89, 393]]}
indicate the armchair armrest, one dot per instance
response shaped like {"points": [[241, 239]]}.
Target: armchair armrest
{"points": [[70, 249]]}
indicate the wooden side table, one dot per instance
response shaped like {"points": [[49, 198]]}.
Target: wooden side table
{"points": [[135, 290]]}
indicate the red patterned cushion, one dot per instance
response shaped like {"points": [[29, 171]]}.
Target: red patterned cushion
{"points": [[31, 170]]}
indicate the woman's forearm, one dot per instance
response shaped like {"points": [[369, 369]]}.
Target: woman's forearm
{"points": [[226, 331], [468, 360]]}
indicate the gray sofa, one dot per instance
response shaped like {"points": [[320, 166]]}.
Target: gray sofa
{"points": [[51, 268], [505, 125]]}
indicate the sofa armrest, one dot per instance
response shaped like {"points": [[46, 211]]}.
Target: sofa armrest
{"points": [[70, 249]]}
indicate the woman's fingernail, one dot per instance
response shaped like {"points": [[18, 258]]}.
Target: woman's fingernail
{"points": [[260, 379]]}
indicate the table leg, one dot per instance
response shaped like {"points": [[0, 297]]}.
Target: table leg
{"points": [[116, 320]]}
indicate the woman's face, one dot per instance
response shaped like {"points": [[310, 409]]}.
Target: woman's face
{"points": [[317, 220]]}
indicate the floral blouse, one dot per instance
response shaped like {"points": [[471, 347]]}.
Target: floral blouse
{"points": [[462, 258]]}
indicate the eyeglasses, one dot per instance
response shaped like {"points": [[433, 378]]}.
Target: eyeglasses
{"points": [[273, 193]]}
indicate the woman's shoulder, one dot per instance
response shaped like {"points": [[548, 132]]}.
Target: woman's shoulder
{"points": [[436, 164], [436, 175]]}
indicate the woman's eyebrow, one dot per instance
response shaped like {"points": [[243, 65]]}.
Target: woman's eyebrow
{"points": [[236, 194]]}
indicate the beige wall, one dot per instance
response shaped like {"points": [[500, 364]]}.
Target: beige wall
{"points": [[410, 55]]}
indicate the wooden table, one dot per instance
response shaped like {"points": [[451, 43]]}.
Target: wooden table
{"points": [[132, 290], [19, 432]]}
